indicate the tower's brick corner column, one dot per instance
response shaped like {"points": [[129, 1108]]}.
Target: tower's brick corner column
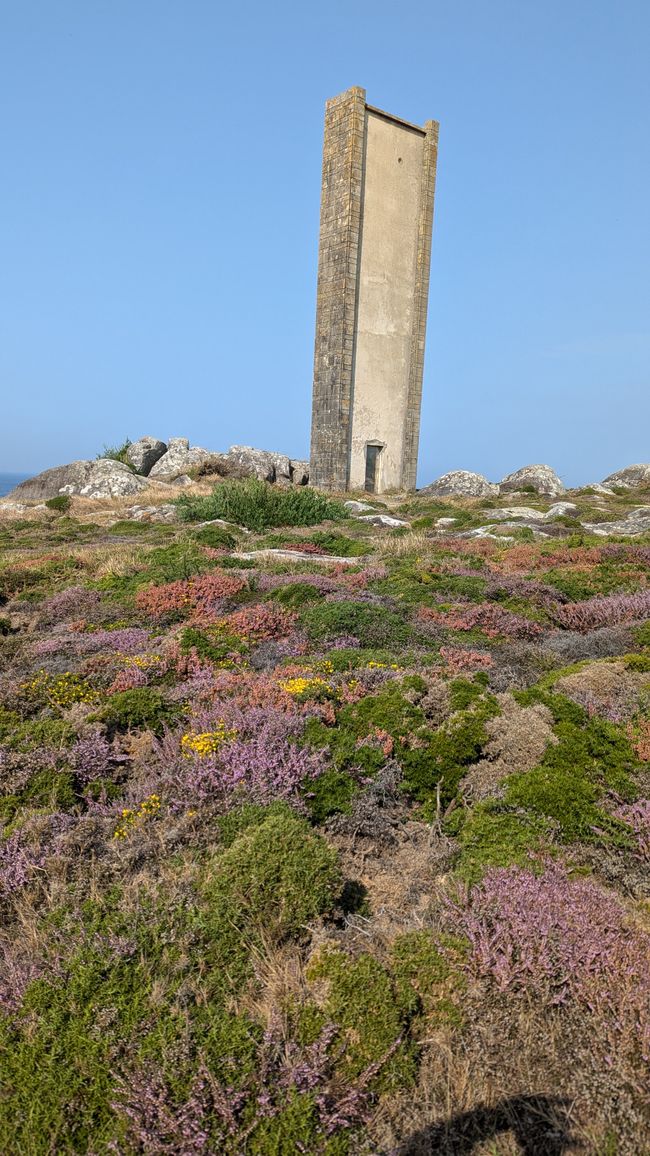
{"points": [[338, 257], [423, 263]]}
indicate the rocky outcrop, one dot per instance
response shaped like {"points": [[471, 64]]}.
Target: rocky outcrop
{"points": [[103, 478], [510, 513], [179, 459], [636, 522], [299, 473], [541, 479], [462, 484], [144, 454], [164, 513], [630, 477], [263, 464]]}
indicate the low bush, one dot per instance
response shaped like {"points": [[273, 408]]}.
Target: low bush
{"points": [[135, 709], [61, 503], [372, 1011], [117, 453], [374, 625], [216, 537], [259, 506], [275, 877], [494, 835]]}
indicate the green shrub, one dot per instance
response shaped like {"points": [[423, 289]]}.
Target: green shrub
{"points": [[215, 644], [445, 758], [216, 537], [259, 506], [573, 777], [295, 595], [372, 1011], [249, 815], [375, 625], [642, 635], [275, 877], [5, 627], [330, 794], [61, 503], [425, 978], [129, 528], [638, 662], [340, 544], [117, 453], [143, 707], [495, 836]]}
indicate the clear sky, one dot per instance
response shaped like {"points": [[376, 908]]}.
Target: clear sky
{"points": [[159, 222]]}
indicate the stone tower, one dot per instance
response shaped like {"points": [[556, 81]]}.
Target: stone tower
{"points": [[373, 282]]}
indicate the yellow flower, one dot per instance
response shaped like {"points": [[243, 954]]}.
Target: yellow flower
{"points": [[207, 742]]}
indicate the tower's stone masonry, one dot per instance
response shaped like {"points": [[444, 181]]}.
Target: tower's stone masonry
{"points": [[373, 281]]}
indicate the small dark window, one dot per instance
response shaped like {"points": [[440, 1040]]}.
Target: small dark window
{"points": [[372, 468]]}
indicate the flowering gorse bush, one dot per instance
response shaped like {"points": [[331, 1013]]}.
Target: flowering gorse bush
{"points": [[133, 818], [60, 690], [207, 742]]}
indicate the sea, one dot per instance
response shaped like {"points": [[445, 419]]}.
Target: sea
{"points": [[8, 481]]}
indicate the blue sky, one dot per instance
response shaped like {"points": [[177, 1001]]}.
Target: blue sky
{"points": [[159, 222]]}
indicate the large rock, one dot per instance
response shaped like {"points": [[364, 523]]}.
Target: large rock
{"points": [[103, 478], [144, 454], [299, 473], [179, 459], [636, 522], [461, 483], [630, 477], [263, 464], [542, 479]]}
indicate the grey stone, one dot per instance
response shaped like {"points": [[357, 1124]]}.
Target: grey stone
{"points": [[297, 556], [598, 489], [179, 458], [561, 510], [508, 513], [636, 522], [144, 454], [164, 513], [299, 473], [358, 507], [630, 477], [381, 520], [542, 478], [103, 478], [444, 522], [182, 480], [462, 483], [263, 464]]}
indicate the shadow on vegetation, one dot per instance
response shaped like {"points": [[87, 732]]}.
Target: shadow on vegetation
{"points": [[539, 1124]]}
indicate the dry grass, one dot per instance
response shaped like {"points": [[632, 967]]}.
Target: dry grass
{"points": [[518, 740]]}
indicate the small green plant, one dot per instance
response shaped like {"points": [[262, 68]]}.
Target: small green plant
{"points": [[117, 453], [375, 625], [143, 707], [61, 503], [340, 544], [260, 506], [374, 1013], [216, 537], [494, 835]]}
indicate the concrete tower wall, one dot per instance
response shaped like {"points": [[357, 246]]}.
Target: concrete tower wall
{"points": [[375, 244]]}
